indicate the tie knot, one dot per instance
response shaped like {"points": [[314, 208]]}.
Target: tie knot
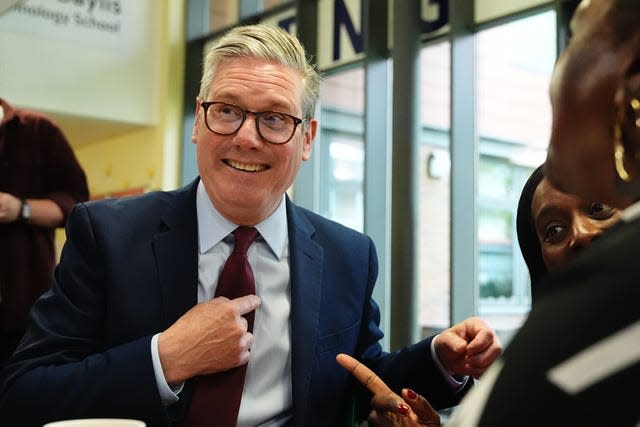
{"points": [[244, 236]]}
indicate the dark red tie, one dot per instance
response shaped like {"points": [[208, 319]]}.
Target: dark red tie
{"points": [[216, 397]]}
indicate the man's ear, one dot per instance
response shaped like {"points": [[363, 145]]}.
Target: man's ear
{"points": [[308, 138], [194, 131]]}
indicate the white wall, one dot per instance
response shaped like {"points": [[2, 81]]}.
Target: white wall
{"points": [[67, 57]]}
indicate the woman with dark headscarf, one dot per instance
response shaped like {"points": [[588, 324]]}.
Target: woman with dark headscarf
{"points": [[553, 227], [527, 236]]}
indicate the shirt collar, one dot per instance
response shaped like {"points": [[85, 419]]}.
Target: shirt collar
{"points": [[213, 227]]}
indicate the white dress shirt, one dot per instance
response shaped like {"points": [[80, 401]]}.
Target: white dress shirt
{"points": [[267, 396]]}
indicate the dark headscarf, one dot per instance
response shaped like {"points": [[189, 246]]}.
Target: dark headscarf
{"points": [[527, 234]]}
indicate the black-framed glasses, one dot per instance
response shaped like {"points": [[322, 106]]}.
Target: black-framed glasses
{"points": [[225, 119]]}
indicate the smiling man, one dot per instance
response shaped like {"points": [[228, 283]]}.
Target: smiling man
{"points": [[256, 174], [225, 287]]}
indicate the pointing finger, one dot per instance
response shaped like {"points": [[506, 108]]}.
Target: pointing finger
{"points": [[363, 374]]}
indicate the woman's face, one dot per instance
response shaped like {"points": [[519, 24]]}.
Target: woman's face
{"points": [[566, 224]]}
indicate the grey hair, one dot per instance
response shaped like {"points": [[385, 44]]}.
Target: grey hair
{"points": [[266, 43]]}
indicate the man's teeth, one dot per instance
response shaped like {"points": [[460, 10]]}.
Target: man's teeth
{"points": [[245, 166]]}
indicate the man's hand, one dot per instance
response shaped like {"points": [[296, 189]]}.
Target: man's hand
{"points": [[211, 337], [389, 409], [468, 348], [9, 207]]}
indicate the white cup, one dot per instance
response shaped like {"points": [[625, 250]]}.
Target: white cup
{"points": [[97, 422]]}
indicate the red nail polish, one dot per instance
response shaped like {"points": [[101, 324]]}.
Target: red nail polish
{"points": [[402, 408], [411, 394]]}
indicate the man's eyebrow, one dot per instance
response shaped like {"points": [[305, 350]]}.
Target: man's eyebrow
{"points": [[274, 105]]}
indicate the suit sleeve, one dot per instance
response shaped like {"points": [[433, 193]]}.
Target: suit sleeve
{"points": [[411, 367]]}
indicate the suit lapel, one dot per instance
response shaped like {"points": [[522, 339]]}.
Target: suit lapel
{"points": [[175, 247], [306, 258]]}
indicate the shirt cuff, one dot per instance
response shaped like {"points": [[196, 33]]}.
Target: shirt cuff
{"points": [[168, 395], [457, 382]]}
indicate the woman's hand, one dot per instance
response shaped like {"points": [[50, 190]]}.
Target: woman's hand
{"points": [[389, 409]]}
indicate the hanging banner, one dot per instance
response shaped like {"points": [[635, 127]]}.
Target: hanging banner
{"points": [[115, 24]]}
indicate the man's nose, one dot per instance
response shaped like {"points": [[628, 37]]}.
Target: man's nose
{"points": [[248, 131]]}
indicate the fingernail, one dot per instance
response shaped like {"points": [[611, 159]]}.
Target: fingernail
{"points": [[402, 408], [411, 394]]}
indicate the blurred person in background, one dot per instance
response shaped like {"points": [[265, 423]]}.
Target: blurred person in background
{"points": [[40, 181]]}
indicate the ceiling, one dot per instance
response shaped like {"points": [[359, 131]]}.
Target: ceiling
{"points": [[83, 130]]}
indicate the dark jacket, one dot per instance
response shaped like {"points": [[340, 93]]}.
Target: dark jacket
{"points": [[129, 270]]}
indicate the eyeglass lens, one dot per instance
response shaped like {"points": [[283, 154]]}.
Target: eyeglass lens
{"points": [[273, 126]]}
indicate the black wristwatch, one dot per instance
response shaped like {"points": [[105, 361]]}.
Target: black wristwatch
{"points": [[25, 211]]}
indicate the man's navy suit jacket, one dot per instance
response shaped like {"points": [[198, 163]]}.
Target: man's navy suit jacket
{"points": [[129, 269]]}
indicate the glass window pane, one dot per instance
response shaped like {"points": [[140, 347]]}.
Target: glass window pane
{"points": [[270, 4], [434, 189], [514, 64], [341, 148], [223, 14], [255, 7], [210, 16]]}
